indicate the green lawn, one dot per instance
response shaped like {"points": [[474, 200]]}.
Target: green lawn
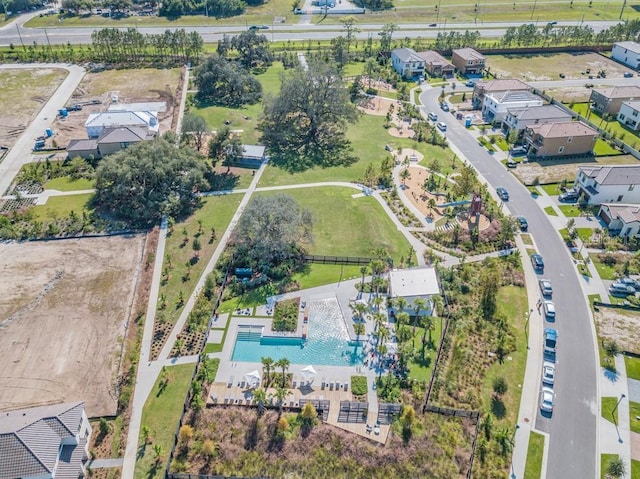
{"points": [[629, 136], [353, 69], [216, 212], [161, 414], [368, 138], [346, 226], [608, 405], [570, 211], [603, 148], [61, 206], [604, 462], [550, 211], [321, 274], [512, 304], [533, 469], [65, 183], [551, 188], [633, 367], [605, 272], [416, 97], [635, 469], [421, 364], [634, 414]]}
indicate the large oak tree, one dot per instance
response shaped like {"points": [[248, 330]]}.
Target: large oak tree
{"points": [[304, 126]]}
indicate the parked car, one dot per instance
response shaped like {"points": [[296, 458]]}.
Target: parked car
{"points": [[470, 83], [537, 262], [548, 373], [444, 106], [511, 163], [522, 222], [628, 74], [545, 287], [550, 340], [518, 151], [549, 309], [546, 399], [502, 193], [569, 196], [441, 126], [433, 116], [629, 282], [621, 289]]}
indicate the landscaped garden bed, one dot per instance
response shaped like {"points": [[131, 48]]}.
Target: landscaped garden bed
{"points": [[285, 315]]}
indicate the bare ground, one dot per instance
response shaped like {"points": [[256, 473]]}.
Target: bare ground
{"points": [[62, 316], [621, 325]]}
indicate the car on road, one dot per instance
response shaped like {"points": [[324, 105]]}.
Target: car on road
{"points": [[258, 27], [537, 262], [522, 222], [546, 399], [621, 289], [545, 287], [433, 24], [441, 126], [433, 116], [444, 106], [470, 83], [549, 309], [553, 23], [569, 196], [502, 193], [550, 340], [548, 373]]}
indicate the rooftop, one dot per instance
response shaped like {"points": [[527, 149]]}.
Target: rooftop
{"points": [[613, 175], [414, 282], [120, 118], [625, 213], [468, 54], [76, 145], [253, 151], [154, 106], [123, 134], [514, 96], [540, 112], [434, 58], [619, 92], [561, 129], [407, 55], [506, 84], [632, 46], [635, 105]]}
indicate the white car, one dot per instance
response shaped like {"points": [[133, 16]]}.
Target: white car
{"points": [[545, 287], [442, 126], [546, 399], [549, 309], [548, 373]]}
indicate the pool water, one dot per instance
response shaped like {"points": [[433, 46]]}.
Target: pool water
{"points": [[327, 341]]}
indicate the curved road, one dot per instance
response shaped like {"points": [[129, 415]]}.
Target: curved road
{"points": [[16, 33], [573, 447]]}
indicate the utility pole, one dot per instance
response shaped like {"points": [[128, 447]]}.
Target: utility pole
{"points": [[624, 4], [21, 42], [534, 8], [48, 41]]}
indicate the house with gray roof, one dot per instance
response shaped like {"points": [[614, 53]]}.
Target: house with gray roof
{"points": [[407, 62], [436, 65], [621, 219], [518, 119], [609, 99], [412, 284], [496, 105], [97, 122], [609, 184], [44, 442], [110, 141], [629, 115], [627, 53], [485, 87]]}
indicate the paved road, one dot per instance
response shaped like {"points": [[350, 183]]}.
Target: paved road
{"points": [[16, 32], [21, 151], [573, 426]]}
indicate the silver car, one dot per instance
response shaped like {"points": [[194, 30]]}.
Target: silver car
{"points": [[546, 399]]}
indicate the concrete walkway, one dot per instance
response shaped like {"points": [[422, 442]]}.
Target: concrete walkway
{"points": [[106, 463]]}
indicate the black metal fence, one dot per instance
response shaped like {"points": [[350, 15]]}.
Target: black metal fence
{"points": [[321, 259]]}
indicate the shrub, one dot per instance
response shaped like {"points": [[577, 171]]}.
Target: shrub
{"points": [[285, 316], [500, 385], [359, 385]]}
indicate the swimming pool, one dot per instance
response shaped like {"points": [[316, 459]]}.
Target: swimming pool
{"points": [[327, 342]]}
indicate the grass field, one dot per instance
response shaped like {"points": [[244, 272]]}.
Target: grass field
{"points": [[512, 304], [131, 83], [634, 416], [161, 414], [633, 367], [570, 211], [551, 189], [604, 463], [345, 226], [606, 272], [550, 211], [628, 136], [608, 406], [321, 274], [65, 183], [635, 468], [422, 363], [533, 469], [61, 206]]}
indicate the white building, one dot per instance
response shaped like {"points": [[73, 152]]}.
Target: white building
{"points": [[97, 122], [45, 442], [496, 106], [609, 184], [412, 284], [621, 220], [629, 114], [627, 53], [407, 62]]}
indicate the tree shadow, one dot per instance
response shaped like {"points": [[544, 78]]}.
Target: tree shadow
{"points": [[251, 437], [141, 451], [498, 408], [222, 181]]}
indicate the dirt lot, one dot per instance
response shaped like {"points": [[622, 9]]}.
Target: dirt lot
{"points": [[550, 66], [24, 92], [146, 84], [621, 325], [62, 315]]}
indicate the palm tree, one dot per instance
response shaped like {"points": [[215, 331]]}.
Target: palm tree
{"points": [[359, 309], [378, 320], [377, 301], [284, 364], [383, 334], [267, 363], [418, 305], [400, 304], [428, 324], [260, 397], [281, 395], [363, 272], [358, 328], [616, 468]]}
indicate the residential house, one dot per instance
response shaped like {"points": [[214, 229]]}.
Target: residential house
{"points": [[627, 53], [484, 87], [621, 219], [252, 157], [436, 65], [518, 119], [609, 184], [412, 284], [496, 105], [629, 115], [44, 442], [97, 122], [558, 139], [468, 61], [110, 141], [609, 100], [407, 62]]}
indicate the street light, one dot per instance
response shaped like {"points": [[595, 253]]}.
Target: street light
{"points": [[613, 411], [526, 326]]}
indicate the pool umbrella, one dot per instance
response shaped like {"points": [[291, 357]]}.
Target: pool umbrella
{"points": [[253, 378], [309, 372]]}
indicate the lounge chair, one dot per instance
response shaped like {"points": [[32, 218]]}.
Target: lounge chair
{"points": [[242, 384], [331, 384], [346, 386], [324, 383], [230, 382], [295, 383]]}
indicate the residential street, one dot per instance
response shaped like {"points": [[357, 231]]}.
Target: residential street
{"points": [[573, 428]]}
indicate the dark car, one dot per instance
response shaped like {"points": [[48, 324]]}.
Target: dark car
{"points": [[502, 193], [522, 221], [433, 24], [537, 262], [444, 106], [550, 340], [569, 196]]}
